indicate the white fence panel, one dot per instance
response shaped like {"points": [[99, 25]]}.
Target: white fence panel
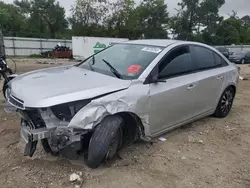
{"points": [[18, 46]]}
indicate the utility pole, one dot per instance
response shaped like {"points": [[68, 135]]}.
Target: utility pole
{"points": [[2, 47]]}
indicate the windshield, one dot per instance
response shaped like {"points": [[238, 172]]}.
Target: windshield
{"points": [[125, 61]]}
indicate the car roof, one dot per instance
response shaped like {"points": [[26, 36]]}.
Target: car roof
{"points": [[153, 42], [165, 43]]}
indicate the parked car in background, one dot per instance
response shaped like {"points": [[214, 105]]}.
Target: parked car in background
{"points": [[240, 57], [136, 89], [224, 51]]}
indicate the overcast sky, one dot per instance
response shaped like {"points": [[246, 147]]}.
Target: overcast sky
{"points": [[241, 6]]}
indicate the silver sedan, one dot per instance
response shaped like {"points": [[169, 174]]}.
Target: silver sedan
{"points": [[137, 89]]}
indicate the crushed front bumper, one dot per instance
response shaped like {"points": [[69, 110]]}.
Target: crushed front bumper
{"points": [[63, 140], [37, 124], [36, 134]]}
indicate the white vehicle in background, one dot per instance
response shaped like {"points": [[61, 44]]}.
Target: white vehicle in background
{"points": [[83, 47]]}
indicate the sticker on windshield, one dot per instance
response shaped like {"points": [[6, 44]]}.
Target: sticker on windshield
{"points": [[153, 50], [134, 68]]}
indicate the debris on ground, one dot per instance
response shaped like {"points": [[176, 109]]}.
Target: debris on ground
{"points": [[58, 52], [75, 177], [243, 78], [201, 142], [183, 158], [162, 139], [232, 129], [15, 168], [210, 151]]}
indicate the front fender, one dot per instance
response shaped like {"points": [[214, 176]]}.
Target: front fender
{"points": [[92, 114]]}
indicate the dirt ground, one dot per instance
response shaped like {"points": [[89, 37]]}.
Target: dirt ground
{"points": [[210, 153]]}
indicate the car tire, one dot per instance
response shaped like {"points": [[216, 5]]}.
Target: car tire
{"points": [[225, 103], [105, 141], [243, 61]]}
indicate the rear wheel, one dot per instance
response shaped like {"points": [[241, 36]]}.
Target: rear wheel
{"points": [[105, 141], [225, 103]]}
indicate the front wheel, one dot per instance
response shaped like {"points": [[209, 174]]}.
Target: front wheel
{"points": [[105, 141], [243, 61], [225, 103]]}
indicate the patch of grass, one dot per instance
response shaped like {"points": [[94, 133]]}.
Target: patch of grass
{"points": [[32, 56], [35, 56]]}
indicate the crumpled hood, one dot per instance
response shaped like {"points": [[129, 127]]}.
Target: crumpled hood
{"points": [[49, 87]]}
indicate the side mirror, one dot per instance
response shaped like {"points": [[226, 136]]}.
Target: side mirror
{"points": [[156, 79]]}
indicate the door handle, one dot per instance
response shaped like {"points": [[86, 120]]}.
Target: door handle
{"points": [[220, 77], [191, 86]]}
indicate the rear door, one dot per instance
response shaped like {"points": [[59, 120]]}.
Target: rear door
{"points": [[211, 76]]}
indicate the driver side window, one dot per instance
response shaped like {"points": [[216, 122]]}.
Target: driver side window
{"points": [[178, 62]]}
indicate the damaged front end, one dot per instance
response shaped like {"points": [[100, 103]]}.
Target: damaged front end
{"points": [[50, 125]]}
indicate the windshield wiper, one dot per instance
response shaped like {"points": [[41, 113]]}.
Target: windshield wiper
{"points": [[112, 69], [93, 62]]}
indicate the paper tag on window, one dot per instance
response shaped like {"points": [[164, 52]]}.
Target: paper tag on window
{"points": [[134, 68], [151, 49]]}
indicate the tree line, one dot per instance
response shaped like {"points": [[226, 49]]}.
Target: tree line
{"points": [[195, 20]]}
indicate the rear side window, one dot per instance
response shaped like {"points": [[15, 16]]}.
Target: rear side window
{"points": [[178, 62], [219, 61], [204, 58]]}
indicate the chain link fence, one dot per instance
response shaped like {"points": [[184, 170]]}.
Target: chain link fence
{"points": [[18, 46]]}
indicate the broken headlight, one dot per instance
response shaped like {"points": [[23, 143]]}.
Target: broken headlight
{"points": [[65, 112]]}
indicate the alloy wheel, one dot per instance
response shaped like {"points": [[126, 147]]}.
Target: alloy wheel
{"points": [[226, 102]]}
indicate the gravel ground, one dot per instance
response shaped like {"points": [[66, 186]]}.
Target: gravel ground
{"points": [[210, 153]]}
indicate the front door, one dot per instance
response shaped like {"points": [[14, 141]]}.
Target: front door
{"points": [[171, 102]]}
